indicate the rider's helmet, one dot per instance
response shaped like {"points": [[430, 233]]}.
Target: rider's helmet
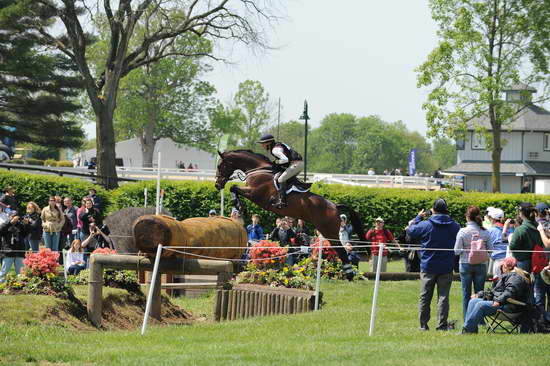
{"points": [[267, 141]]}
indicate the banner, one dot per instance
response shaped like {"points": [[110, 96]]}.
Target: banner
{"points": [[412, 162]]}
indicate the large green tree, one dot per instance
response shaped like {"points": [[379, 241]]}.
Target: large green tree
{"points": [[38, 87], [444, 153], [291, 133], [167, 99], [253, 101], [485, 47], [233, 20]]}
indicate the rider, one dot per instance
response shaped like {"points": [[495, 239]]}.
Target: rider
{"points": [[287, 159]]}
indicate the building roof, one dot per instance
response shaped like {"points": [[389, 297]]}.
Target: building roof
{"points": [[485, 168], [531, 118], [520, 87]]}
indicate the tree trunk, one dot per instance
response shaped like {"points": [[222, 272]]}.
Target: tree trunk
{"points": [[147, 141], [495, 154], [105, 138]]}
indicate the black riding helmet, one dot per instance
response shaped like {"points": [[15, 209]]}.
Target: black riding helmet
{"points": [[266, 138]]}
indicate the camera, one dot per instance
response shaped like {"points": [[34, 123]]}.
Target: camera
{"points": [[512, 221]]}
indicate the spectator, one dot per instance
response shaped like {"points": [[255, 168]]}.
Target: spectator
{"points": [[498, 238], [98, 237], [8, 200], [79, 212], [236, 216], [526, 188], [212, 213], [87, 216], [302, 239], [472, 273], [386, 172], [514, 284], [34, 222], [196, 167], [436, 266], [52, 222], [190, 167], [75, 258], [285, 235], [371, 171], [345, 230], [12, 238], [352, 255], [376, 236], [96, 200], [71, 215], [525, 237], [255, 231]]}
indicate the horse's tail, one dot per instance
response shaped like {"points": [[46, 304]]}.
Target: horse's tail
{"points": [[356, 222]]}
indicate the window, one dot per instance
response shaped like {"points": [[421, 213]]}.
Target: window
{"points": [[546, 142], [460, 144], [478, 141]]}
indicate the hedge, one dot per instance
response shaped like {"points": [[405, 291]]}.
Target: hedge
{"points": [[195, 198]]}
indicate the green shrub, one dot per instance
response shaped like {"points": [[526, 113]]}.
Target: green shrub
{"points": [[50, 162], [29, 161], [38, 188], [64, 163], [123, 279]]}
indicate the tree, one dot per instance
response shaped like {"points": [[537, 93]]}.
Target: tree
{"points": [[227, 121], [253, 101], [167, 100], [216, 19], [38, 88], [485, 47], [444, 153], [291, 133]]}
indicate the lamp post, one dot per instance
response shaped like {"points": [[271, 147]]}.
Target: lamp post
{"points": [[305, 117]]}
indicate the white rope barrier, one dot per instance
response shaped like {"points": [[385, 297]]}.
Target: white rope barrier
{"points": [[375, 295]]}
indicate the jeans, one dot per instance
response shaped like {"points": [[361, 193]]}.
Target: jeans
{"points": [[471, 274], [31, 243], [75, 269], [51, 241], [7, 263], [541, 291], [477, 310], [428, 283], [383, 264], [525, 265]]}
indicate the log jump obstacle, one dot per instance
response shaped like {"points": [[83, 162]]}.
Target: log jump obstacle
{"points": [[246, 301], [172, 265]]}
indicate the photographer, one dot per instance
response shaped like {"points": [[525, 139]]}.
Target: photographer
{"points": [[98, 238], [88, 215], [12, 240]]}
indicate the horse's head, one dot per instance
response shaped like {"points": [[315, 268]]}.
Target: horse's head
{"points": [[224, 171]]}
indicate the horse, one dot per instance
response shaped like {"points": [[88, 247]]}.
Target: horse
{"points": [[260, 189]]}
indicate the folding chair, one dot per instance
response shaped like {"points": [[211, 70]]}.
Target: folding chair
{"points": [[509, 322]]}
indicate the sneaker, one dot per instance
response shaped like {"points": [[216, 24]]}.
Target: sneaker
{"points": [[424, 328]]}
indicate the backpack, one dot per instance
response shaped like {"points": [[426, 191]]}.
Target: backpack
{"points": [[538, 259], [478, 250]]}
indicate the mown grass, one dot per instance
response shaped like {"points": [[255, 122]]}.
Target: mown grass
{"points": [[336, 335]]}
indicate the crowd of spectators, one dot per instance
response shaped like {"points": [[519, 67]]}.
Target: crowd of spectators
{"points": [[58, 226], [490, 245]]}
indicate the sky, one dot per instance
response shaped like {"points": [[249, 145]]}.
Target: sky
{"points": [[346, 56]]}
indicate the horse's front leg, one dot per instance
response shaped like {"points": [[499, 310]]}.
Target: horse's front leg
{"points": [[237, 191]]}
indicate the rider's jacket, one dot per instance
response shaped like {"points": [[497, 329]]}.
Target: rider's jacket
{"points": [[284, 154]]}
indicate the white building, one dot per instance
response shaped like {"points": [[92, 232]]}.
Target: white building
{"points": [[130, 153]]}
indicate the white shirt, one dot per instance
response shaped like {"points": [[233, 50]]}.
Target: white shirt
{"points": [[74, 257], [279, 153]]}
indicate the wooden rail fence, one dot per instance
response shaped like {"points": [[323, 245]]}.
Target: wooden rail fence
{"points": [[246, 301]]}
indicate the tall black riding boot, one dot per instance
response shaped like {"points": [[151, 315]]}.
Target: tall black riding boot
{"points": [[282, 195]]}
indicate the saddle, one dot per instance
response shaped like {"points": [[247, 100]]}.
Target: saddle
{"points": [[293, 184]]}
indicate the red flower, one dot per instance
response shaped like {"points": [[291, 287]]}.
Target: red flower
{"points": [[264, 251], [41, 263], [328, 251], [104, 251]]}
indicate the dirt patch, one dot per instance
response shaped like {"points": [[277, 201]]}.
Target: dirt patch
{"points": [[121, 310]]}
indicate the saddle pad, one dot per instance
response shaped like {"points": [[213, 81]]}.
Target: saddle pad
{"points": [[291, 188]]}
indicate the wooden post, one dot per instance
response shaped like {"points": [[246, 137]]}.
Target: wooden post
{"points": [[291, 304], [276, 304], [242, 303], [234, 304], [257, 304], [299, 305], [95, 292], [169, 278], [156, 304], [230, 304], [225, 302], [217, 305], [264, 304]]}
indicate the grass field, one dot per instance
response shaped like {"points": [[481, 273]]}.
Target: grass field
{"points": [[336, 335]]}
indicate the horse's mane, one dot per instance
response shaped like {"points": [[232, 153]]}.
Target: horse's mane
{"points": [[259, 156]]}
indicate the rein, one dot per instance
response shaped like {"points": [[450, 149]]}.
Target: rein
{"points": [[255, 171]]}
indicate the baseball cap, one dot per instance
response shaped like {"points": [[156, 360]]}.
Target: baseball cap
{"points": [[440, 206], [343, 217], [379, 219], [495, 213], [212, 212], [541, 207]]}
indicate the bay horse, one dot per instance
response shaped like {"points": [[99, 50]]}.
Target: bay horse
{"points": [[260, 189]]}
